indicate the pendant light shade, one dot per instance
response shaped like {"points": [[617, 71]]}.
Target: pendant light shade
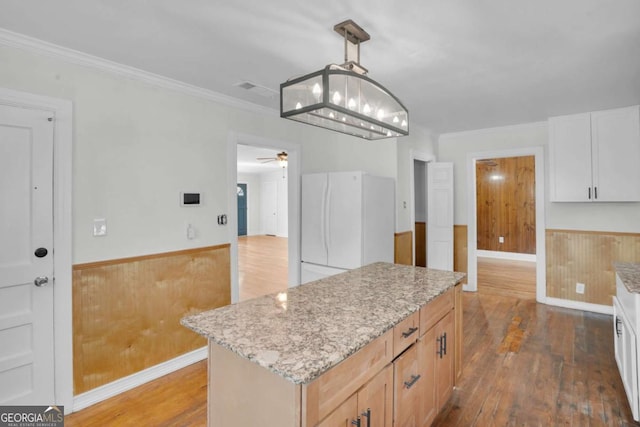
{"points": [[342, 98]]}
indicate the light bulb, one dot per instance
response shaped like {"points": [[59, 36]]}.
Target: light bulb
{"points": [[317, 90], [336, 97], [389, 133], [380, 114], [332, 115], [352, 103], [366, 109], [344, 119], [298, 106], [404, 124], [395, 119]]}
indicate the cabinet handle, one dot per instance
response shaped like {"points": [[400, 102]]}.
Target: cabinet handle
{"points": [[367, 414], [444, 338], [618, 331], [439, 350], [409, 332], [589, 193], [595, 193], [414, 379], [356, 422]]}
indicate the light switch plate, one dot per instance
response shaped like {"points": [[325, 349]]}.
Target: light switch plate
{"points": [[99, 227]]}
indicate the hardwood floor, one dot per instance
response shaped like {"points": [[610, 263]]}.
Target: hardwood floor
{"points": [[262, 265], [507, 277], [529, 364], [525, 364]]}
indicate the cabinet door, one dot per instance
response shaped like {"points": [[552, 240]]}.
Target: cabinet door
{"points": [[445, 339], [375, 400], [427, 365], [343, 414], [570, 158], [407, 382], [626, 356], [615, 136]]}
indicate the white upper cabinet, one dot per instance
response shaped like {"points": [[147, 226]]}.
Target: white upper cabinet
{"points": [[595, 157]]}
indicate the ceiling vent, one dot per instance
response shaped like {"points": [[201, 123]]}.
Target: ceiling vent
{"points": [[257, 89]]}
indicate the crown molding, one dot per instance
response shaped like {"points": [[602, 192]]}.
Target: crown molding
{"points": [[41, 47]]}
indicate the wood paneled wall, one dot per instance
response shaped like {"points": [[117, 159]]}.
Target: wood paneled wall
{"points": [[506, 204], [126, 312], [587, 257], [460, 251], [403, 248], [421, 244]]}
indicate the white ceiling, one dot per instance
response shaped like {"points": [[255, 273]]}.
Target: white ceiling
{"points": [[456, 64]]}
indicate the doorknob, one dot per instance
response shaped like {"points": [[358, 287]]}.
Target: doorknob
{"points": [[41, 252], [41, 281]]}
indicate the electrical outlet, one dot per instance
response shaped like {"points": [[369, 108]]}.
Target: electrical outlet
{"points": [[501, 239], [580, 288]]}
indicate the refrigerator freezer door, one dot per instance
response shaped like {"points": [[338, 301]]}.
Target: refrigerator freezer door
{"points": [[313, 242], [344, 231], [311, 272]]}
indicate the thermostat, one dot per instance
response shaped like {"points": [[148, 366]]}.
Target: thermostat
{"points": [[189, 199]]}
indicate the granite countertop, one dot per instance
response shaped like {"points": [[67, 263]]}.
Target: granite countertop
{"points": [[302, 333], [629, 273]]}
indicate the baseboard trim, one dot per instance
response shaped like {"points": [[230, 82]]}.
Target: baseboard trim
{"points": [[579, 305], [114, 388], [506, 255]]}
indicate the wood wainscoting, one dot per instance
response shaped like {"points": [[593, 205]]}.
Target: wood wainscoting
{"points": [[126, 312], [460, 251], [403, 248], [587, 257]]}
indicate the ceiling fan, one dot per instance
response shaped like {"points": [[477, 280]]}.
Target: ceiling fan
{"points": [[281, 158]]}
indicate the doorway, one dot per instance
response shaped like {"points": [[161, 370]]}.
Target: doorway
{"points": [[476, 161], [266, 258]]}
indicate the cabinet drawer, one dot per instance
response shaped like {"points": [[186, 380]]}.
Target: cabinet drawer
{"points": [[435, 310], [405, 333], [321, 396]]}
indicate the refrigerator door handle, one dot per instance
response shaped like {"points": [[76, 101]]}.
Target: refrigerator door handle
{"points": [[327, 211]]}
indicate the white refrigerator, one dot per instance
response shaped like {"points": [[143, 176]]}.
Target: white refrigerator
{"points": [[348, 220]]}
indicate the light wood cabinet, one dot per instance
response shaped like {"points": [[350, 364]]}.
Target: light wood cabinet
{"points": [[424, 374], [594, 156], [445, 338], [406, 389], [371, 406]]}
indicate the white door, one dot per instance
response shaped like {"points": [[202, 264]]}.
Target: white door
{"points": [[440, 216], [269, 198], [344, 231], [26, 230]]}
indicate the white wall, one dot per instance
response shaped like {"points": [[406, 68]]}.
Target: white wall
{"points": [[253, 201], [137, 145], [620, 217]]}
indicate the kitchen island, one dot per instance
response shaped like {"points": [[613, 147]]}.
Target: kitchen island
{"points": [[375, 344]]}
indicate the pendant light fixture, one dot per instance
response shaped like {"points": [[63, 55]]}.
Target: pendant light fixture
{"points": [[342, 98]]}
